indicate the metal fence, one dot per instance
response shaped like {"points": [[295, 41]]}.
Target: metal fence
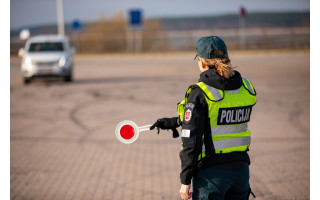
{"points": [[162, 41]]}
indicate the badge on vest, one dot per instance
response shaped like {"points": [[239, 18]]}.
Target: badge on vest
{"points": [[187, 115], [235, 115], [188, 112]]}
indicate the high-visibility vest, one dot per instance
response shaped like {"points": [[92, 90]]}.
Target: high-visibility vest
{"points": [[229, 113]]}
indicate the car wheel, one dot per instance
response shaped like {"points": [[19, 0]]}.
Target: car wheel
{"points": [[26, 81], [68, 78]]}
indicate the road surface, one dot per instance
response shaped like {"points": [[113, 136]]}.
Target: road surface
{"points": [[63, 143]]}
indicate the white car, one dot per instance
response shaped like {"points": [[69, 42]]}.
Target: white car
{"points": [[46, 55]]}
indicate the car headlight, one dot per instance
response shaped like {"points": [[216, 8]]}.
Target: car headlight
{"points": [[62, 61], [28, 63]]}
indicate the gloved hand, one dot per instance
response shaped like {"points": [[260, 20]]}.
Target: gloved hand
{"points": [[167, 123]]}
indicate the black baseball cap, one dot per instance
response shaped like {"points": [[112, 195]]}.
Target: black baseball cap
{"points": [[206, 45]]}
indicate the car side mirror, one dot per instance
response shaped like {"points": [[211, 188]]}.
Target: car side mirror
{"points": [[21, 52]]}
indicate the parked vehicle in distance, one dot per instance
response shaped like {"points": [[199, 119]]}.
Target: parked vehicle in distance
{"points": [[46, 55]]}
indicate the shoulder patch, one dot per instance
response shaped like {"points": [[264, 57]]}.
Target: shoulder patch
{"points": [[190, 105], [187, 115], [188, 112]]}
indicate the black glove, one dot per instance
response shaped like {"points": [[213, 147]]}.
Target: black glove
{"points": [[167, 123]]}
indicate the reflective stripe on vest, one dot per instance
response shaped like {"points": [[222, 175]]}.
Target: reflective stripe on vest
{"points": [[213, 93], [249, 86], [228, 146], [233, 142], [222, 130]]}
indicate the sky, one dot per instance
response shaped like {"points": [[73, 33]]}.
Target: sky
{"points": [[26, 13]]}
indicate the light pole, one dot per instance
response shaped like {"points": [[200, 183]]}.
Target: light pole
{"points": [[242, 24], [60, 17]]}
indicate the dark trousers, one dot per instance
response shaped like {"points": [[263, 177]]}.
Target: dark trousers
{"points": [[221, 184]]}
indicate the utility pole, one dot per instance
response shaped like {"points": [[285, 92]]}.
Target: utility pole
{"points": [[60, 17], [242, 24]]}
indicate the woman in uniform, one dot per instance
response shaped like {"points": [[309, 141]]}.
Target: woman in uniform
{"points": [[215, 137]]}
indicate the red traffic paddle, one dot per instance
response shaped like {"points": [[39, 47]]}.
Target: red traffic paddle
{"points": [[127, 131]]}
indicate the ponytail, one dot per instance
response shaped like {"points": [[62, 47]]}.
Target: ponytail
{"points": [[221, 66], [223, 69]]}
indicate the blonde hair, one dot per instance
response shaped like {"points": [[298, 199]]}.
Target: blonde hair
{"points": [[221, 65]]}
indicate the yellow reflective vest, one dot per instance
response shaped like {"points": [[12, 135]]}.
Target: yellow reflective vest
{"points": [[229, 114]]}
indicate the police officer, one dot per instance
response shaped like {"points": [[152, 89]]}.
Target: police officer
{"points": [[214, 117]]}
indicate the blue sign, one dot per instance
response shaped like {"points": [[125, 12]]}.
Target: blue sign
{"points": [[135, 18], [76, 25]]}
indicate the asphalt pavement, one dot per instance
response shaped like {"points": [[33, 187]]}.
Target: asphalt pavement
{"points": [[62, 135]]}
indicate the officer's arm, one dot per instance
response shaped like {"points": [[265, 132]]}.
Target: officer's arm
{"points": [[192, 129]]}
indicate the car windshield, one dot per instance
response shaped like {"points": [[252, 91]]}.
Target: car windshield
{"points": [[46, 46]]}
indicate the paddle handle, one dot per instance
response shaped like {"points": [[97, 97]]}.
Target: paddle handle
{"points": [[144, 128]]}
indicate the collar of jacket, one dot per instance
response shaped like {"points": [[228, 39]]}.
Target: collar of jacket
{"points": [[213, 79]]}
